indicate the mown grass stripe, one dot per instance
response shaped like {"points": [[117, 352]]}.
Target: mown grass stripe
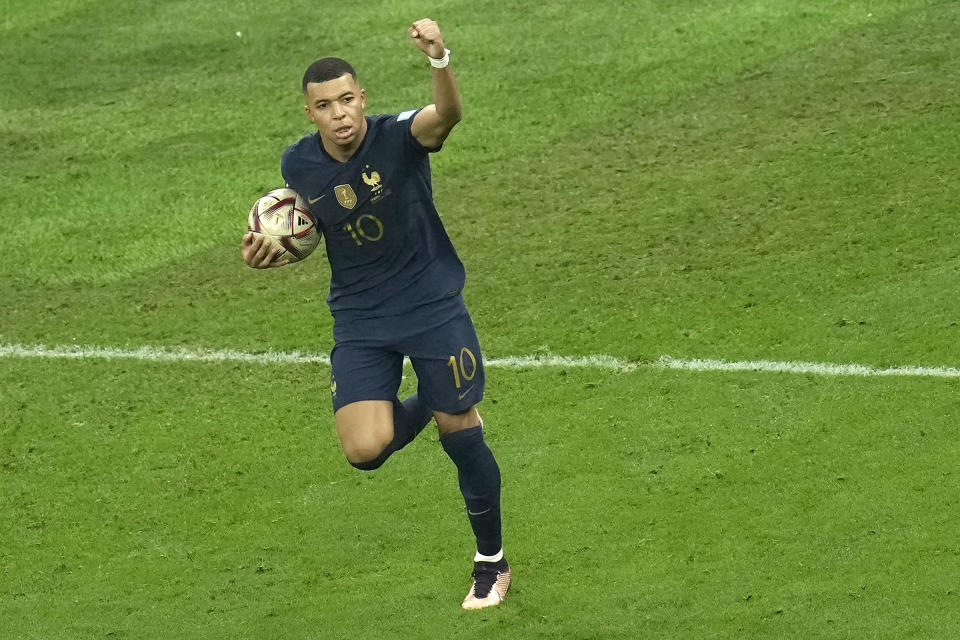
{"points": [[605, 362]]}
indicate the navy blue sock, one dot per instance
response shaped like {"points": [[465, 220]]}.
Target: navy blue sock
{"points": [[479, 478], [409, 419]]}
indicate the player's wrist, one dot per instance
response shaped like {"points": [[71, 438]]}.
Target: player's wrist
{"points": [[440, 63]]}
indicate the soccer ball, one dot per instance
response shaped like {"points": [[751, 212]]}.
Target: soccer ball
{"points": [[282, 216]]}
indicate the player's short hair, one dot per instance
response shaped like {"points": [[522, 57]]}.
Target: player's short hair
{"points": [[327, 69]]}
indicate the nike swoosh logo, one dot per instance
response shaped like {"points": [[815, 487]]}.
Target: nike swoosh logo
{"points": [[461, 396], [315, 200], [471, 513]]}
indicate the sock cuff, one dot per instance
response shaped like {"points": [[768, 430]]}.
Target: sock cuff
{"points": [[452, 437], [497, 557]]}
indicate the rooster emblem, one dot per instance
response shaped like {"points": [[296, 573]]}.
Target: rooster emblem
{"points": [[372, 180]]}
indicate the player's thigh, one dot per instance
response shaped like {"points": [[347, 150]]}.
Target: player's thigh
{"points": [[365, 428], [363, 384], [449, 366]]}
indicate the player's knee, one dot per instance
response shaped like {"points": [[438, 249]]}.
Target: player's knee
{"points": [[367, 455], [365, 430]]}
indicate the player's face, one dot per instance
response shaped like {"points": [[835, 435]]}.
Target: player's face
{"points": [[336, 107]]}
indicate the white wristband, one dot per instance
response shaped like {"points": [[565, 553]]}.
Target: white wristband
{"points": [[440, 63]]}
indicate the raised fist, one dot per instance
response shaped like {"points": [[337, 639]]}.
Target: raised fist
{"points": [[426, 35]]}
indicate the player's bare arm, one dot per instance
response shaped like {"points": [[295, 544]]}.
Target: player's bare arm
{"points": [[433, 123], [259, 252]]}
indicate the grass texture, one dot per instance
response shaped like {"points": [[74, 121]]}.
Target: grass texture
{"points": [[732, 180]]}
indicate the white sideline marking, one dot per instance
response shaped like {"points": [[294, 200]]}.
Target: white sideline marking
{"points": [[160, 354], [817, 368], [610, 363]]}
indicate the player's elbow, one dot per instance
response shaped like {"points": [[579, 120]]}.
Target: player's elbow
{"points": [[450, 116], [447, 126]]}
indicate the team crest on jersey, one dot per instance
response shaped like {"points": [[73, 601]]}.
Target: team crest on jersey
{"points": [[372, 180], [345, 195]]}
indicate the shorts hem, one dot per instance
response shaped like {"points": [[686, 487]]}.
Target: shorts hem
{"points": [[340, 404]]}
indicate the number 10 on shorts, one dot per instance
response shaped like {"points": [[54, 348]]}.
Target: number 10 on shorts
{"points": [[464, 368]]}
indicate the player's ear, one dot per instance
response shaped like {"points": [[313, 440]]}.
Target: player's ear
{"points": [[363, 99]]}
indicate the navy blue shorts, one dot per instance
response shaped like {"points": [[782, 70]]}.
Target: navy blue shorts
{"points": [[441, 342]]}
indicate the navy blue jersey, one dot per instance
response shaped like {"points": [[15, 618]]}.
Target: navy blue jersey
{"points": [[387, 247]]}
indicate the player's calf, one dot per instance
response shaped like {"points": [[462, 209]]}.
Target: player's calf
{"points": [[479, 478]]}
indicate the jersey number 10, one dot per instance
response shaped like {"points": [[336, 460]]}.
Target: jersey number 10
{"points": [[366, 228]]}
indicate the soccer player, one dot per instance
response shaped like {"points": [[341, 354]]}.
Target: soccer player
{"points": [[395, 287]]}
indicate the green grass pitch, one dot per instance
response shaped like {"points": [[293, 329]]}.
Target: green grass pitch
{"points": [[755, 180]]}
